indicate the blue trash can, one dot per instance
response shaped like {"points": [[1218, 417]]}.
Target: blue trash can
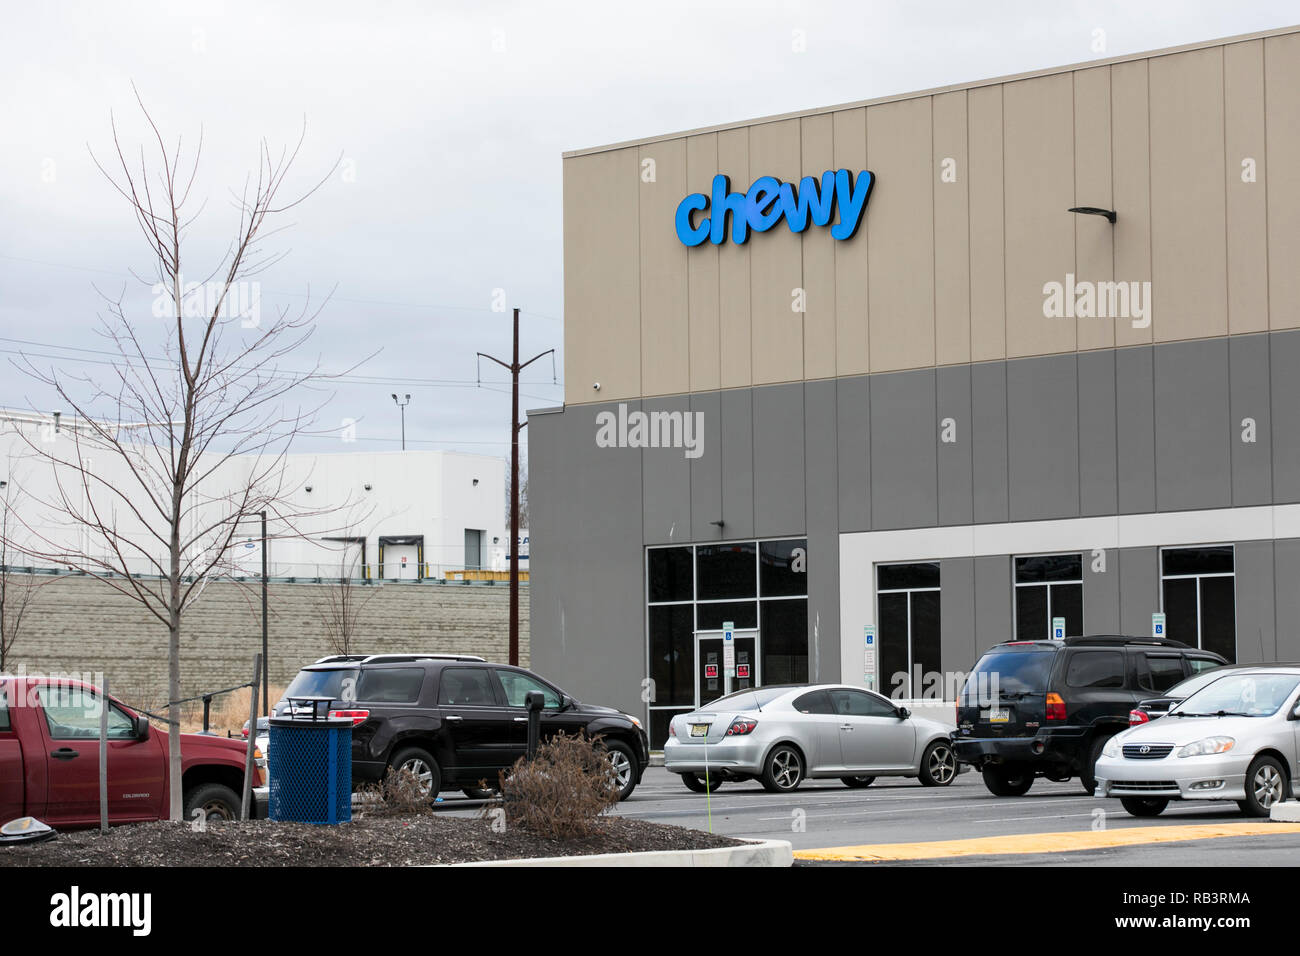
{"points": [[310, 764]]}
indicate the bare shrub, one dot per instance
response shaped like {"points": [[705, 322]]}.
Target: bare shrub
{"points": [[399, 793], [560, 793]]}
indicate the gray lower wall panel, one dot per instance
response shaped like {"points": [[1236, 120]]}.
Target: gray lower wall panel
{"points": [[1135, 430], [853, 414], [1098, 490], [1193, 455], [1286, 576], [737, 433], [957, 614], [989, 488], [821, 480], [706, 471], [587, 579], [666, 478], [904, 433], [953, 390], [1101, 593], [779, 461], [1256, 623], [992, 603], [1139, 589], [1284, 365], [1043, 431], [1252, 473], [802, 456]]}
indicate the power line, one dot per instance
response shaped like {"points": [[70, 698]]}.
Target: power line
{"points": [[296, 295]]}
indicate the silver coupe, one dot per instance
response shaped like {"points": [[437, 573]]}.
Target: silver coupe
{"points": [[782, 735]]}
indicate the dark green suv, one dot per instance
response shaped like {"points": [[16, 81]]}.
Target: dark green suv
{"points": [[1046, 708]]}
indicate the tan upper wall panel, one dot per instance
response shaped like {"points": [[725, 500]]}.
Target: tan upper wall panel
{"points": [[776, 264], [988, 304], [665, 326], [900, 235], [952, 324], [852, 340], [1094, 237], [702, 277], [1189, 273], [602, 295], [1282, 112], [1131, 182], [1038, 132], [1244, 155], [733, 270], [817, 145], [948, 272]]}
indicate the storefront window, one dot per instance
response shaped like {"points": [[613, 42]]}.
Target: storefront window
{"points": [[1198, 588], [908, 627], [692, 592], [1048, 586]]}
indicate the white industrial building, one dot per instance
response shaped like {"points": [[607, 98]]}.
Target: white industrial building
{"points": [[392, 515]]}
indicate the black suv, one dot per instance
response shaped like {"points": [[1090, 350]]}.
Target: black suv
{"points": [[455, 721], [1033, 708]]}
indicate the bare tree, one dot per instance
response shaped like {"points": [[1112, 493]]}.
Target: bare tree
{"points": [[523, 495], [341, 610], [18, 589], [166, 456]]}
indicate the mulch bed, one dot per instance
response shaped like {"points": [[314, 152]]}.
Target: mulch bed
{"points": [[399, 840]]}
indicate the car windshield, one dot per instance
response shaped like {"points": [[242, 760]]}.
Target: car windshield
{"points": [[1190, 686], [1244, 695], [754, 697], [1009, 672], [328, 683]]}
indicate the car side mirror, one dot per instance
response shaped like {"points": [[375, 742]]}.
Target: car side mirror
{"points": [[565, 702], [904, 713], [141, 727], [1295, 712]]}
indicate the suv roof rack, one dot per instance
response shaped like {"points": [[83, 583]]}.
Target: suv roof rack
{"points": [[1118, 640], [394, 658]]}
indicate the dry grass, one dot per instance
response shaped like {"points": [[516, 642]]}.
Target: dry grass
{"points": [[229, 711], [399, 792], [562, 792]]}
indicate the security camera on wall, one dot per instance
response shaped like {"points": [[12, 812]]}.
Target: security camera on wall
{"points": [[596, 386]]}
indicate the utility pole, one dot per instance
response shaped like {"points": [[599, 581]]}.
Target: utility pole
{"points": [[515, 428], [266, 675], [402, 406]]}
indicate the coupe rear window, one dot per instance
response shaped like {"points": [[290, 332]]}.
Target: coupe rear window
{"points": [[1022, 670], [755, 697]]}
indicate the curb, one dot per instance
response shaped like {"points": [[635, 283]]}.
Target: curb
{"points": [[656, 758], [754, 853], [1287, 812]]}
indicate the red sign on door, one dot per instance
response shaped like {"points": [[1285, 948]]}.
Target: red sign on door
{"points": [[711, 670], [742, 670]]}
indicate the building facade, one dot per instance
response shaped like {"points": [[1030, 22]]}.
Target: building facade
{"points": [[1047, 382]]}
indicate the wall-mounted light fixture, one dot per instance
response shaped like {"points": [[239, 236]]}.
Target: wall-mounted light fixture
{"points": [[1094, 211]]}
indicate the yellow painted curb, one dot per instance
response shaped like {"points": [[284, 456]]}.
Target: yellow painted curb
{"points": [[1044, 842]]}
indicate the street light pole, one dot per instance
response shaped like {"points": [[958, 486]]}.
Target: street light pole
{"points": [[515, 428], [402, 406]]}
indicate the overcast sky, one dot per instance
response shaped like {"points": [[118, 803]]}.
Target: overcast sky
{"points": [[450, 119]]}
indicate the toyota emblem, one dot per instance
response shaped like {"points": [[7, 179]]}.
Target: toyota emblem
{"points": [[1144, 749]]}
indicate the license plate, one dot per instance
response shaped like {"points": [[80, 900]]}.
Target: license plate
{"points": [[1000, 715], [699, 730]]}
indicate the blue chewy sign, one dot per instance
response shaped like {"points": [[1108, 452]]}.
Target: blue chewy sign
{"points": [[768, 201]]}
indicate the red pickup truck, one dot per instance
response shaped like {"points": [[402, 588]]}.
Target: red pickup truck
{"points": [[49, 760]]}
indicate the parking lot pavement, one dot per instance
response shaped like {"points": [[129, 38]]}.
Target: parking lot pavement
{"points": [[828, 814]]}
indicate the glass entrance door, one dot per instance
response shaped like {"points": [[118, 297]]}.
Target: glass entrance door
{"points": [[711, 678]]}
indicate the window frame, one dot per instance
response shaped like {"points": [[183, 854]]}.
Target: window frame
{"points": [[1016, 585], [1160, 566]]}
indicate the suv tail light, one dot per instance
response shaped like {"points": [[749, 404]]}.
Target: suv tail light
{"points": [[741, 726], [1055, 707], [356, 716], [1136, 717]]}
